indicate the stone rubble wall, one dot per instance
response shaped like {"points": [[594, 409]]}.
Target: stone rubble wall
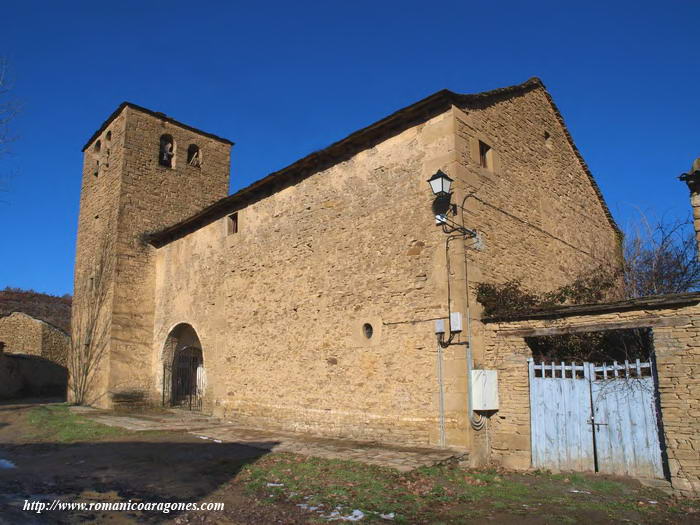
{"points": [[676, 337], [23, 334]]}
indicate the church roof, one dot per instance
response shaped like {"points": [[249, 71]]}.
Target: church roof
{"points": [[364, 138]]}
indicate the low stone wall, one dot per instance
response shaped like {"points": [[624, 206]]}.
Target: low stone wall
{"points": [[676, 337]]}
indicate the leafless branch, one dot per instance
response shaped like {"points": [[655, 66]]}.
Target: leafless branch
{"points": [[660, 258], [90, 326]]}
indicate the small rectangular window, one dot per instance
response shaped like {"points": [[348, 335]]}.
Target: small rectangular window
{"points": [[232, 223], [484, 155]]}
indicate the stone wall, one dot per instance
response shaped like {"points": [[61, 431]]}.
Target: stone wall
{"points": [[541, 219], [279, 307], [23, 334], [55, 345], [538, 214], [676, 337]]}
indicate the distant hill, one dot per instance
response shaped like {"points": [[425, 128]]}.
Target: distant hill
{"points": [[49, 308]]}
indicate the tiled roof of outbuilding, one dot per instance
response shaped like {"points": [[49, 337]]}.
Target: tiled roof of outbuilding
{"points": [[649, 302]]}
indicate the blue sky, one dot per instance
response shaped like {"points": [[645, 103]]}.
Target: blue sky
{"points": [[282, 79]]}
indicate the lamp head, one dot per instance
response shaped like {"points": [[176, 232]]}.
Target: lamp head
{"points": [[440, 184]]}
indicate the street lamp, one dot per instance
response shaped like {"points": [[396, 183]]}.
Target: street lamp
{"points": [[440, 183]]}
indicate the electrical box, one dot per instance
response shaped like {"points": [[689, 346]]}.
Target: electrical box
{"points": [[455, 322], [439, 326], [484, 389]]}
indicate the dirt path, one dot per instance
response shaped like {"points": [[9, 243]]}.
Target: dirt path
{"points": [[149, 467]]}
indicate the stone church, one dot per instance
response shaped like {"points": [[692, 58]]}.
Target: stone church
{"points": [[316, 298]]}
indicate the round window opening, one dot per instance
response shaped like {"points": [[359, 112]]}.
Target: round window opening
{"points": [[367, 330]]}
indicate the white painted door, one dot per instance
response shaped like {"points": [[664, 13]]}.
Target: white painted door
{"points": [[560, 412]]}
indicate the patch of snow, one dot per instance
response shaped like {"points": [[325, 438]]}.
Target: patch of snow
{"points": [[579, 491], [275, 484], [202, 437], [305, 506], [217, 441], [389, 516], [336, 515], [6, 463]]}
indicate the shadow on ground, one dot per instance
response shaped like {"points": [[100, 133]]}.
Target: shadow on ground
{"points": [[149, 471], [15, 404]]}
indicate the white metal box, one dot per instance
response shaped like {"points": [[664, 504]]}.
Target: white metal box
{"points": [[455, 322], [439, 326], [484, 389]]}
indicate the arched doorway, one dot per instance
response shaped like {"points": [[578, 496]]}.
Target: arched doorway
{"points": [[188, 378], [184, 379]]}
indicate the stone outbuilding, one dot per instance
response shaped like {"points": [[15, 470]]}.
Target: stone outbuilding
{"points": [[21, 333], [33, 357], [673, 323]]}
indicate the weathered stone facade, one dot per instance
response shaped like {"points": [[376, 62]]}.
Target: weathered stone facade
{"points": [[23, 334], [341, 239], [675, 324]]}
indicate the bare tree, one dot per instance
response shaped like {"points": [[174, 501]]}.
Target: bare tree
{"points": [[660, 258], [90, 327]]}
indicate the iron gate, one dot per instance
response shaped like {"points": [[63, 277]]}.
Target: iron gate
{"points": [[183, 379], [602, 418]]}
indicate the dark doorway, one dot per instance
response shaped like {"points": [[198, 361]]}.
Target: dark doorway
{"points": [[188, 378], [184, 379]]}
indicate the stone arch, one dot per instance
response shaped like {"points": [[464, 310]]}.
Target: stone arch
{"points": [[167, 150], [194, 156], [184, 376]]}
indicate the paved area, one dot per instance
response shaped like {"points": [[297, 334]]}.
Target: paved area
{"points": [[219, 431]]}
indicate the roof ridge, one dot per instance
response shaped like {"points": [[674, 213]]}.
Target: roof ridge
{"points": [[8, 314], [156, 114]]}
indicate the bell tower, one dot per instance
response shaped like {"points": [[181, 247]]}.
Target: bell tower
{"points": [[142, 171]]}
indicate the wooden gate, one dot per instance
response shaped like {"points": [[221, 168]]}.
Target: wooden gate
{"points": [[597, 418]]}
